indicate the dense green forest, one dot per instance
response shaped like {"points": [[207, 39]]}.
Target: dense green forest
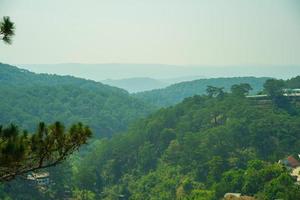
{"points": [[177, 92], [293, 83], [28, 98], [185, 138], [199, 149]]}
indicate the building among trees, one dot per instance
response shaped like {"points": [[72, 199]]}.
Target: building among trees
{"points": [[40, 179]]}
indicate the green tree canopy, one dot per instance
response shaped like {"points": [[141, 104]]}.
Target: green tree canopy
{"points": [[7, 30], [274, 88], [214, 91], [21, 152], [242, 89]]}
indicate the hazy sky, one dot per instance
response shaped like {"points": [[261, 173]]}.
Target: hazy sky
{"points": [[202, 32]]}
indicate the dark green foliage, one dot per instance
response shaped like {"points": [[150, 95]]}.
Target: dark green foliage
{"points": [[241, 90], [293, 83], [177, 92], [274, 88], [214, 91], [265, 181], [199, 149], [30, 98], [202, 148], [7, 30], [281, 187], [21, 153]]}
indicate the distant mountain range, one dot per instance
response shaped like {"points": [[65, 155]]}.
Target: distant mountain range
{"points": [[103, 71], [140, 84], [136, 84], [175, 93]]}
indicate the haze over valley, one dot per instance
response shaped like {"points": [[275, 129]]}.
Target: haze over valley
{"points": [[143, 77], [149, 100]]}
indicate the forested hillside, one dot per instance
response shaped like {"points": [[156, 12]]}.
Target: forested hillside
{"points": [[28, 98], [150, 100], [200, 149], [177, 92]]}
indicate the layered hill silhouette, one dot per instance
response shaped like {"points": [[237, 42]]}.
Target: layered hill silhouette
{"points": [[177, 92], [28, 98]]}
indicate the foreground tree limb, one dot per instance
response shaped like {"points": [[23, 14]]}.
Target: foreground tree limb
{"points": [[21, 153], [7, 30]]}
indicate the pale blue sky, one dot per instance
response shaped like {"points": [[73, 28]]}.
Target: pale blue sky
{"points": [[182, 32]]}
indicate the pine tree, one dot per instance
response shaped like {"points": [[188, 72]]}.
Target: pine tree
{"points": [[7, 30], [21, 152]]}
